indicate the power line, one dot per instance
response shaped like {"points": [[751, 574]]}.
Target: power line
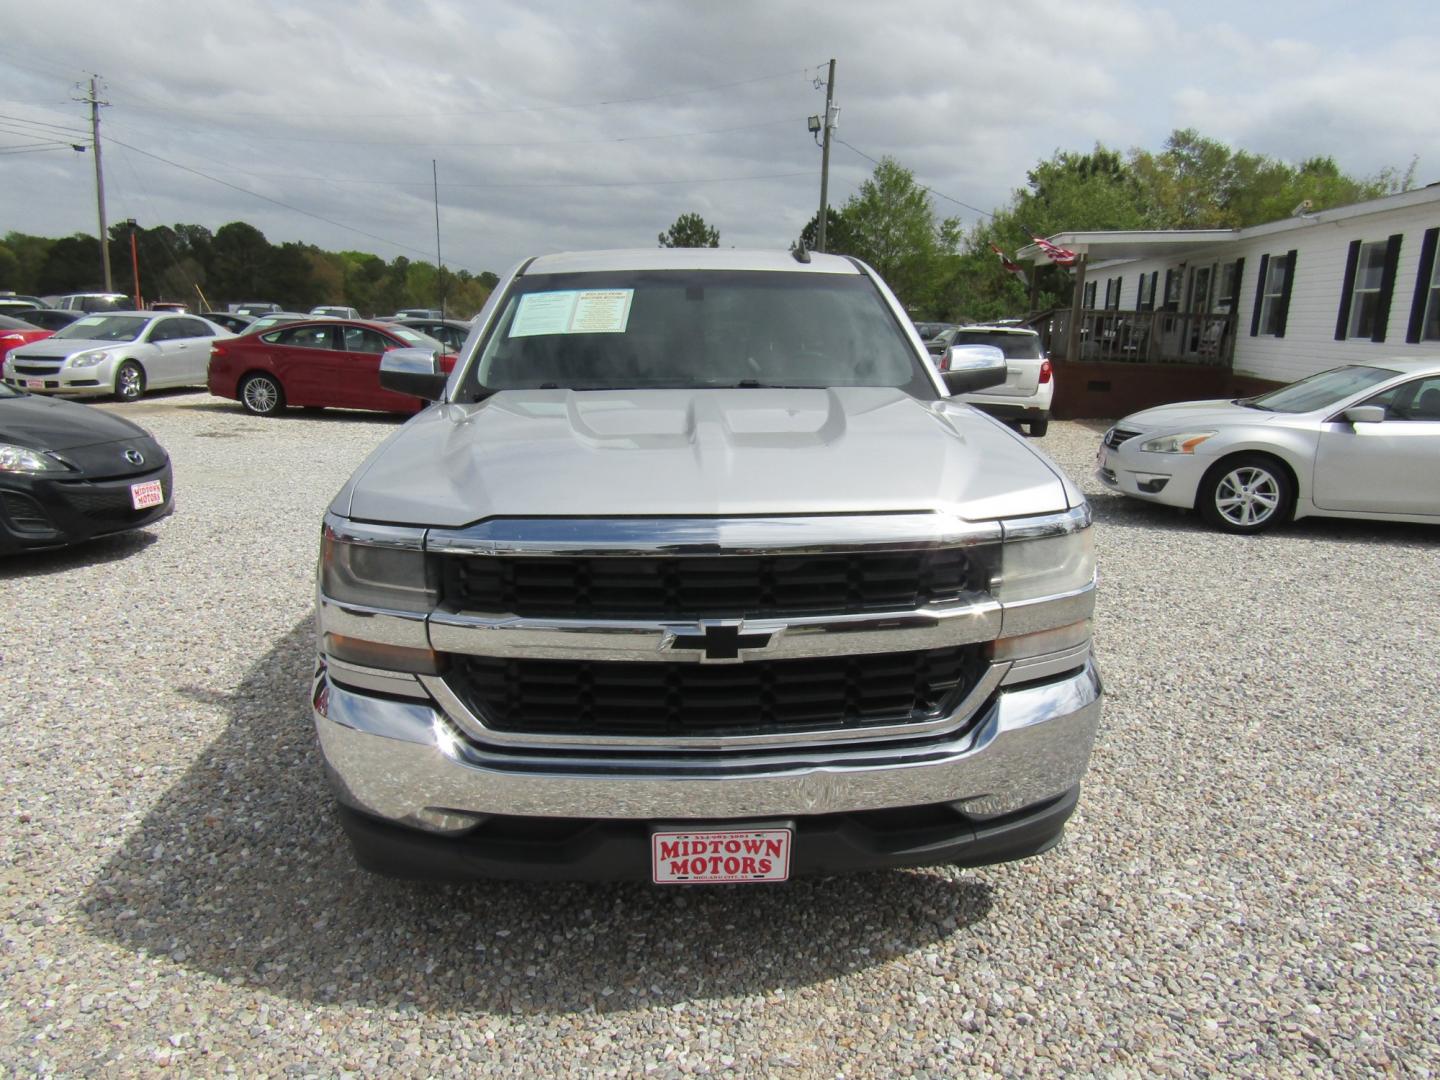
{"points": [[453, 144], [63, 129], [604, 102], [276, 202], [923, 187]]}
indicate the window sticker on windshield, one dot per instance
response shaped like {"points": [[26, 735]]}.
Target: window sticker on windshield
{"points": [[573, 311]]}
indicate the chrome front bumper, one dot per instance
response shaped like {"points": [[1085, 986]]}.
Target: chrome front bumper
{"points": [[407, 762]]}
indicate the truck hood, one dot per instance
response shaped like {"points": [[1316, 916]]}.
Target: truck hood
{"points": [[649, 453]]}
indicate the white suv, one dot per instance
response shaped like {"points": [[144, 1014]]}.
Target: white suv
{"points": [[1030, 382]]}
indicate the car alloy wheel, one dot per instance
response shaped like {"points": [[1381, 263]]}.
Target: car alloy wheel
{"points": [[1247, 497], [261, 395], [129, 382]]}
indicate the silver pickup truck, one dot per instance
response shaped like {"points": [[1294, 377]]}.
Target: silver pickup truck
{"points": [[695, 573]]}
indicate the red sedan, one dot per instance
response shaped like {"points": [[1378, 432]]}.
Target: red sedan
{"points": [[328, 362], [14, 332]]}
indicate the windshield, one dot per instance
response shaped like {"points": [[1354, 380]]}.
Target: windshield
{"points": [[1014, 346], [696, 328], [105, 328], [418, 340], [1320, 391]]}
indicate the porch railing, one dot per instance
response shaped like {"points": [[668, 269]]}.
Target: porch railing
{"points": [[1166, 337]]}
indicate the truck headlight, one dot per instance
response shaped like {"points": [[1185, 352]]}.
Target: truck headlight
{"points": [[88, 359], [1045, 566], [21, 459], [1183, 443], [375, 575]]}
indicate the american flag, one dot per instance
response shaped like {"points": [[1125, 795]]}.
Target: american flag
{"points": [[1006, 261], [1058, 255]]}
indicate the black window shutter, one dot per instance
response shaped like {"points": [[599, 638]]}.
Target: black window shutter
{"points": [[1119, 291], [1235, 286], [1154, 280], [1422, 286], [1347, 291], [1290, 257], [1259, 296], [1387, 285]]}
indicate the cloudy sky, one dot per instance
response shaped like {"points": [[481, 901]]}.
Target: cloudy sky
{"points": [[563, 126]]}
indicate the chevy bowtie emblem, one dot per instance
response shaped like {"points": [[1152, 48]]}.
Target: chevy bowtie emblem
{"points": [[134, 457], [721, 641]]}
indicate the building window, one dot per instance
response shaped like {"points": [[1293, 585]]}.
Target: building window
{"points": [[1112, 292], [1145, 299], [1174, 283], [1430, 328], [1369, 283], [1227, 292], [1365, 301], [1089, 299], [1272, 298]]}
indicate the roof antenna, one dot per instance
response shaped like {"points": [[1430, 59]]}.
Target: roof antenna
{"points": [[799, 251]]}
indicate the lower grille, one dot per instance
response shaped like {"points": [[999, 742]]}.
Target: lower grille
{"points": [[25, 514], [109, 503], [603, 698]]}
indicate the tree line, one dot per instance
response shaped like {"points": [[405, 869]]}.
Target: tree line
{"points": [[234, 263], [940, 271]]}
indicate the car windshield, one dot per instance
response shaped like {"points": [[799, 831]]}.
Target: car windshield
{"points": [[7, 323], [105, 328], [1014, 346], [1320, 391], [416, 339], [696, 328]]}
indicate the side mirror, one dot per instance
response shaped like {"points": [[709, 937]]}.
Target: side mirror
{"points": [[968, 368], [1365, 414], [413, 371]]}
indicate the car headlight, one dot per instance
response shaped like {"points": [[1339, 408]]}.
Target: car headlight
{"points": [[88, 359], [1183, 443], [391, 577], [21, 459]]}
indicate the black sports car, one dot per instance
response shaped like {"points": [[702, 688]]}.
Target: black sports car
{"points": [[69, 472]]}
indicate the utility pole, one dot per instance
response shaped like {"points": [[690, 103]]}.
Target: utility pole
{"points": [[829, 125], [439, 266], [93, 100]]}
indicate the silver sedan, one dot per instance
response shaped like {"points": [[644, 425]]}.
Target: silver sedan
{"points": [[1360, 441]]}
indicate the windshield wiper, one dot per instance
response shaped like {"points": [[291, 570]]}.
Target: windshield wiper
{"points": [[756, 384]]}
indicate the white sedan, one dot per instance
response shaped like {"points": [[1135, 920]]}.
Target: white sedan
{"points": [[1360, 441], [123, 353]]}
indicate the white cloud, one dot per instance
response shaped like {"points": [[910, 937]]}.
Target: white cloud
{"points": [[516, 102]]}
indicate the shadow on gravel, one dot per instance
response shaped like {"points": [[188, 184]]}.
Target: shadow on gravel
{"points": [[297, 413], [241, 871], [1394, 535], [106, 549]]}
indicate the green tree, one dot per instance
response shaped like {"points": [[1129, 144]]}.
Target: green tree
{"points": [[890, 223], [839, 237], [690, 231], [240, 261]]}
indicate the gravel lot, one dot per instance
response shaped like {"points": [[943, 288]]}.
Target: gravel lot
{"points": [[1251, 884]]}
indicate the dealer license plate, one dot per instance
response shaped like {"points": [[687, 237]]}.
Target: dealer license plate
{"points": [[143, 496], [1103, 456], [715, 856], [35, 384]]}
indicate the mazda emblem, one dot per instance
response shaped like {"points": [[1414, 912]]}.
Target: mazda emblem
{"points": [[134, 457]]}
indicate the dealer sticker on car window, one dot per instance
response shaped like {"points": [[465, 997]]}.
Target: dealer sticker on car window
{"points": [[573, 311], [712, 856]]}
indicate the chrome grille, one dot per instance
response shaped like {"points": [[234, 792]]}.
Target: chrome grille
{"points": [[689, 587]]}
